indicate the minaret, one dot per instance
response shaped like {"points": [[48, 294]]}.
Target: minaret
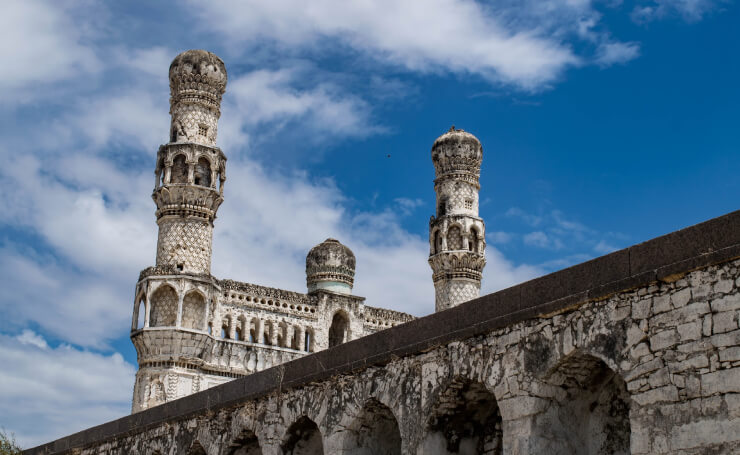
{"points": [[457, 233], [190, 168], [178, 296]]}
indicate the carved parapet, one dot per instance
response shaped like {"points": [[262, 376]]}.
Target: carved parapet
{"points": [[168, 269], [457, 154], [457, 264], [198, 76], [185, 200]]}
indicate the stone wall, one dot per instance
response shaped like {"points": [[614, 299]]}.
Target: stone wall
{"points": [[635, 352]]}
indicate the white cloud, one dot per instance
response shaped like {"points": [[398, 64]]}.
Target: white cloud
{"points": [[41, 43], [617, 53], [500, 273], [32, 338], [270, 97], [460, 36], [688, 10], [499, 237], [49, 392]]}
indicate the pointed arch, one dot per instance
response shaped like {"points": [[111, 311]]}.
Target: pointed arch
{"points": [[303, 438], [203, 172], [163, 312], [454, 238], [193, 310], [473, 243], [339, 329], [245, 444], [465, 419], [309, 340], [436, 241], [373, 431], [596, 402], [179, 172]]}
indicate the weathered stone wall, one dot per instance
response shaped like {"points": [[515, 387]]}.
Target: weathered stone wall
{"points": [[636, 352]]}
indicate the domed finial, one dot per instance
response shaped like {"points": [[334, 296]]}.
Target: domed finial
{"points": [[330, 266], [452, 128]]}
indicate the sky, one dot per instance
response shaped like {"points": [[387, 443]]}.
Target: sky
{"points": [[603, 124]]}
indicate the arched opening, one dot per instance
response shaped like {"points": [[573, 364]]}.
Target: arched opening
{"points": [[308, 340], [226, 328], [268, 333], [596, 406], [454, 238], [159, 172], [164, 307], [466, 420], [339, 329], [297, 336], [436, 242], [203, 172], [179, 172], [140, 314], [303, 438], [245, 444], [254, 330], [193, 310], [374, 431], [442, 207], [473, 240]]}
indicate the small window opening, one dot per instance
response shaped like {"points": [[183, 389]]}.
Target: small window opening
{"points": [[307, 346], [210, 328], [180, 267], [468, 204], [203, 130]]}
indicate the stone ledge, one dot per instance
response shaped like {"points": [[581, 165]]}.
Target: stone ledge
{"points": [[712, 242]]}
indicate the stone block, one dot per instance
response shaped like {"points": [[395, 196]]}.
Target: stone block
{"points": [[724, 322], [726, 303], [726, 339], [704, 433], [643, 369], [690, 331], [681, 298], [723, 286], [692, 363], [661, 303], [663, 340], [721, 381], [731, 354], [641, 309], [666, 393]]}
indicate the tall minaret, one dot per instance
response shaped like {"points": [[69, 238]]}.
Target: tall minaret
{"points": [[190, 168], [457, 233], [178, 296]]}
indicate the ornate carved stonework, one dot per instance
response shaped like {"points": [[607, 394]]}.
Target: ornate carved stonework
{"points": [[192, 331], [456, 233]]}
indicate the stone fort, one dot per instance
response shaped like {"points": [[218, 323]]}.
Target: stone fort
{"points": [[636, 352]]}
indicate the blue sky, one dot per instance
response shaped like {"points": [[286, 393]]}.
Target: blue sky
{"points": [[603, 124]]}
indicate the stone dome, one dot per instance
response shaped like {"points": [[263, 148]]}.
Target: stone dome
{"points": [[330, 266], [199, 65], [457, 152]]}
